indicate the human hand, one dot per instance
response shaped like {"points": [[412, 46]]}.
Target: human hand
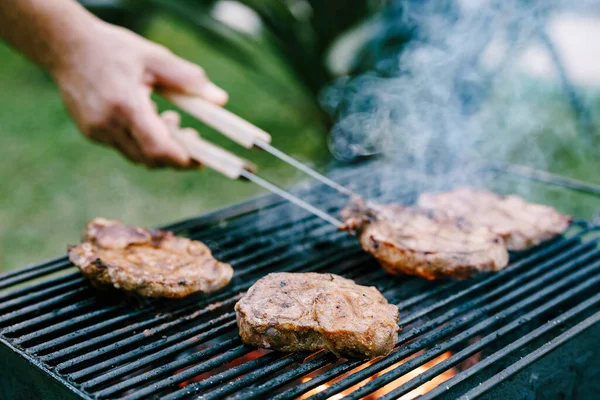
{"points": [[106, 78]]}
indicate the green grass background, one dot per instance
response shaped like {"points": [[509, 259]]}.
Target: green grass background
{"points": [[52, 181]]}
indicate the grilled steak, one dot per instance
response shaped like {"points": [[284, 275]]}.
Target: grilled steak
{"points": [[414, 242], [520, 223], [152, 263], [311, 311]]}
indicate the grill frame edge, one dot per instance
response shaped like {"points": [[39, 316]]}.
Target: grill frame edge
{"points": [[30, 379]]}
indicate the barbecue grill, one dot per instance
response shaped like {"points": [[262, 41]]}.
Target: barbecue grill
{"points": [[528, 331]]}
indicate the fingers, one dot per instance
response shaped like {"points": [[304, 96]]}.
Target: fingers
{"points": [[129, 148], [119, 138], [154, 140], [176, 73], [171, 118], [173, 121]]}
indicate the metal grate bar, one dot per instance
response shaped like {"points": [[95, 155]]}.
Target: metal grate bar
{"points": [[293, 221], [414, 332], [499, 277], [274, 242], [55, 346], [54, 349], [20, 303], [297, 373], [271, 361], [191, 372], [445, 330], [532, 357], [243, 251], [226, 346], [20, 315], [248, 379], [561, 250], [14, 293], [430, 293], [33, 272], [236, 244], [117, 347], [273, 259], [42, 334], [535, 334], [28, 326], [473, 349], [183, 341], [274, 251], [469, 333]]}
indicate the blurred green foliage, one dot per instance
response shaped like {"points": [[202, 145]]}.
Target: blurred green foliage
{"points": [[298, 32]]}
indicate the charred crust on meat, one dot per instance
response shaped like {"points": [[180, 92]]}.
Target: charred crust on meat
{"points": [[147, 262], [317, 311], [413, 241], [374, 242]]}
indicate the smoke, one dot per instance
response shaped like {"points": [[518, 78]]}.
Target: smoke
{"points": [[442, 90]]}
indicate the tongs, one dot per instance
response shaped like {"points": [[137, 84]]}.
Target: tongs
{"points": [[246, 134]]}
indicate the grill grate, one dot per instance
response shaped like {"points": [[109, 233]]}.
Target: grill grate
{"points": [[106, 346]]}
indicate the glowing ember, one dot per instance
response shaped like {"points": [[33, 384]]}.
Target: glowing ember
{"points": [[426, 387]]}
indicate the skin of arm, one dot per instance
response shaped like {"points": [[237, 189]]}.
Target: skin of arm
{"points": [[106, 75]]}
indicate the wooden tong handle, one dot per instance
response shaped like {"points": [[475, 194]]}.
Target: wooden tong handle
{"points": [[229, 124], [211, 155]]}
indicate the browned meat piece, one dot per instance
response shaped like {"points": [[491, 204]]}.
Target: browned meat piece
{"points": [[152, 263], [413, 242], [311, 311], [520, 223]]}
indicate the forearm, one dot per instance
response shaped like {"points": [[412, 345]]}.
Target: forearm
{"points": [[44, 30]]}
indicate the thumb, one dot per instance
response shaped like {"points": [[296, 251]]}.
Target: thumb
{"points": [[173, 72]]}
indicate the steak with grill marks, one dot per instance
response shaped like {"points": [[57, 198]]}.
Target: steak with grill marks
{"points": [[520, 223], [415, 242], [312, 311], [149, 262]]}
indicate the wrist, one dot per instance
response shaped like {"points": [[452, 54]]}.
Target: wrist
{"points": [[69, 42]]}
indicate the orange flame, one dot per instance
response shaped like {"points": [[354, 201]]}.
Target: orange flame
{"points": [[426, 387]]}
